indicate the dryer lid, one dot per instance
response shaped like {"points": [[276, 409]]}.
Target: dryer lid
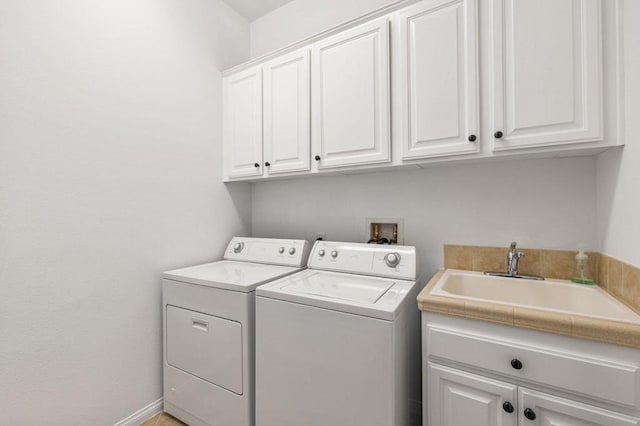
{"points": [[230, 275]]}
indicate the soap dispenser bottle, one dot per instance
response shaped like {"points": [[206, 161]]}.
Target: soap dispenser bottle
{"points": [[581, 265]]}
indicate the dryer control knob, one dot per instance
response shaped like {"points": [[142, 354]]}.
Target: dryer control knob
{"points": [[392, 259], [321, 252], [281, 250], [292, 251], [237, 247], [334, 254]]}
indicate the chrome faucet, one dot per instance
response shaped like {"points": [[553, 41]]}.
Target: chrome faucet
{"points": [[513, 257]]}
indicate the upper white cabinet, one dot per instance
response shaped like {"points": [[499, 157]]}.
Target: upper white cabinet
{"points": [[408, 86], [547, 72], [287, 113], [436, 63], [277, 92], [242, 123], [350, 97]]}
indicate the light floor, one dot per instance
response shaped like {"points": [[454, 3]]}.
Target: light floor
{"points": [[163, 419]]}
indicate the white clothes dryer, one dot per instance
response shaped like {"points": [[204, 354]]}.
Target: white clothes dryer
{"points": [[339, 343], [208, 318]]}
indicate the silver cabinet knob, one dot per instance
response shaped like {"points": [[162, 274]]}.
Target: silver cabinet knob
{"points": [[321, 252], [392, 259], [334, 254], [292, 251], [237, 247], [281, 250]]}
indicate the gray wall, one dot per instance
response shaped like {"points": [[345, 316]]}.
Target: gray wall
{"points": [[619, 170], [540, 203]]}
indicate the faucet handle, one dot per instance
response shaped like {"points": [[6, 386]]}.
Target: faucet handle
{"points": [[519, 254]]}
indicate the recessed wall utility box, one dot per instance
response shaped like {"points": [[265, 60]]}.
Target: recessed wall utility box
{"points": [[385, 230]]}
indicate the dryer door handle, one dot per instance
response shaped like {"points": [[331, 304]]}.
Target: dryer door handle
{"points": [[200, 324]]}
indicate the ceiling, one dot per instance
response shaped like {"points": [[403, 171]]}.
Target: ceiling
{"points": [[253, 9]]}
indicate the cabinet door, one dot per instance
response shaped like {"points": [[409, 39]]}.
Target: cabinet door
{"points": [[242, 134], [458, 398], [542, 409], [547, 72], [350, 97], [286, 113], [437, 64]]}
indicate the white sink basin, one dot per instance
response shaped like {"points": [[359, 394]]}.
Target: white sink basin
{"points": [[551, 295]]}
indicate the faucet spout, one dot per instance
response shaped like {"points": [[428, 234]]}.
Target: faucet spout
{"points": [[512, 259]]}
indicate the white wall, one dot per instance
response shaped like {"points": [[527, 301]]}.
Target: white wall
{"points": [[619, 170], [110, 173], [539, 203], [303, 18]]}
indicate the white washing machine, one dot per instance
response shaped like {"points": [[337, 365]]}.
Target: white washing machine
{"points": [[208, 317], [338, 344]]}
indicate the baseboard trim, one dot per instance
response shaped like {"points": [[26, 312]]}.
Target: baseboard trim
{"points": [[142, 414]]}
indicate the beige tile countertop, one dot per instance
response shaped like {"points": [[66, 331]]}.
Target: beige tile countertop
{"points": [[601, 330]]}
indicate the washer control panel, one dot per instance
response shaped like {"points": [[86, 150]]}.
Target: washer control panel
{"points": [[368, 259], [268, 250]]}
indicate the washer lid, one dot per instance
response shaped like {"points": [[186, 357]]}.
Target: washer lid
{"points": [[357, 294], [230, 275], [353, 288]]}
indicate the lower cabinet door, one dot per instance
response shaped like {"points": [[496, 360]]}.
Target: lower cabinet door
{"points": [[537, 408], [458, 398]]}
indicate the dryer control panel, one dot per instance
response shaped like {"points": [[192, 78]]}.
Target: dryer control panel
{"points": [[268, 250], [367, 259]]}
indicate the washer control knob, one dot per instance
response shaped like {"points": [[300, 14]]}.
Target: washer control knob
{"points": [[281, 250], [321, 252], [237, 247], [392, 259], [292, 251], [334, 253]]}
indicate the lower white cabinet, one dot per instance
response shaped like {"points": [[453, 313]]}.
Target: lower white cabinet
{"points": [[538, 408], [458, 398], [482, 374]]}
